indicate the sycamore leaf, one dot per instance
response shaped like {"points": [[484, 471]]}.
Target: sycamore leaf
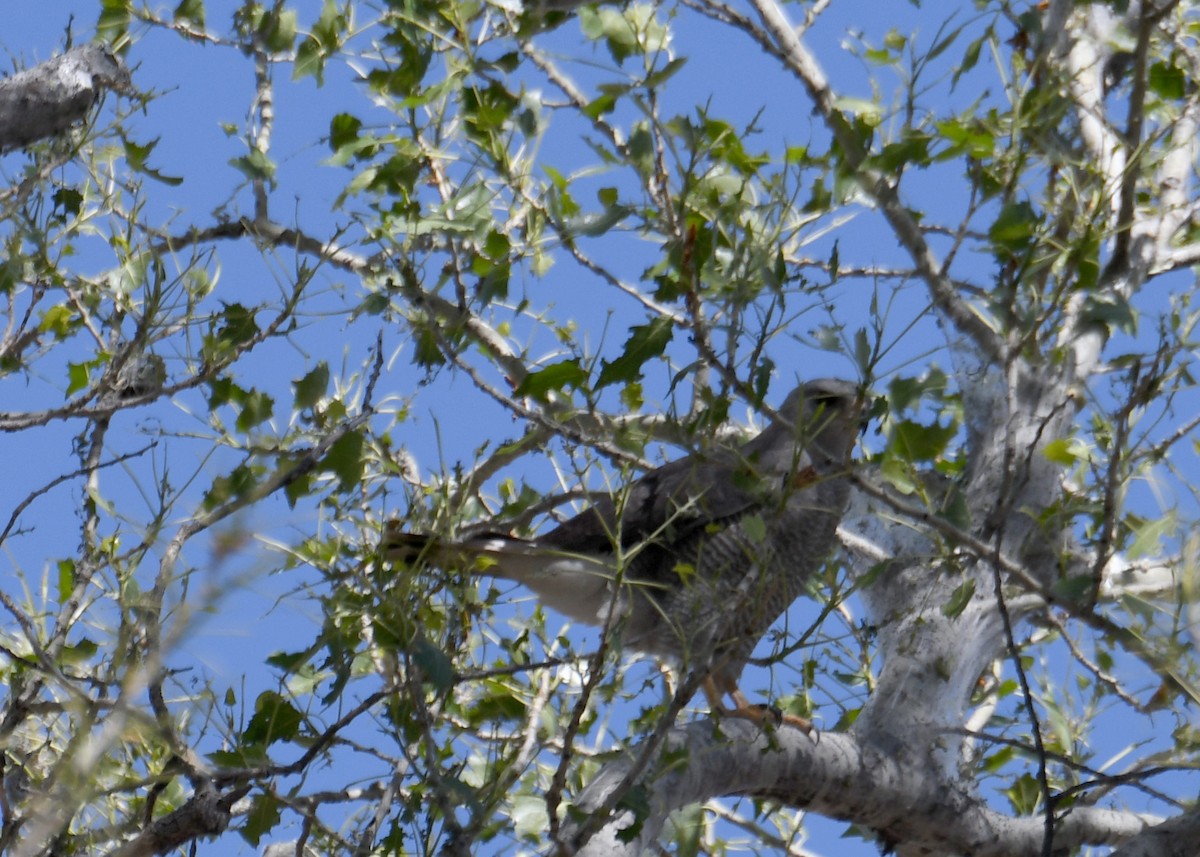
{"points": [[275, 719], [312, 386], [554, 377], [646, 341]]}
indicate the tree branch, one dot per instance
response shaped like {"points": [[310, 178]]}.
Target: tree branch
{"points": [[206, 813], [837, 777], [801, 62]]}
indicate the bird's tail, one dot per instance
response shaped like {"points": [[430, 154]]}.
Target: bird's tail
{"points": [[418, 549], [405, 548], [474, 554], [574, 584]]}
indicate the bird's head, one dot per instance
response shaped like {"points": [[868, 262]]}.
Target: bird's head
{"points": [[826, 414]]}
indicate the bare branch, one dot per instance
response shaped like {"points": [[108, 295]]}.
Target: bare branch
{"points": [[788, 46]]}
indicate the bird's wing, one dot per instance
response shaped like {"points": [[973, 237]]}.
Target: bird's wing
{"points": [[671, 503]]}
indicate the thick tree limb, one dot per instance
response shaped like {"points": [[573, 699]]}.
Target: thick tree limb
{"points": [[206, 814], [1174, 838], [51, 97], [903, 800]]}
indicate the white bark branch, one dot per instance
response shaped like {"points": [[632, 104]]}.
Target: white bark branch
{"points": [[840, 778], [1176, 837]]}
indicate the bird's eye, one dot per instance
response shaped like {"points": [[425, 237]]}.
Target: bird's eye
{"points": [[829, 400]]}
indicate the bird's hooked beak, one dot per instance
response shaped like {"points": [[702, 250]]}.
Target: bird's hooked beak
{"points": [[869, 408]]}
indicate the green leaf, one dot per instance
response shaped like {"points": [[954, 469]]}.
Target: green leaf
{"points": [[554, 377], [969, 59], [595, 225], [67, 201], [265, 812], [605, 102], [499, 702], [493, 267], [662, 75], [528, 815], [862, 349], [137, 156], [402, 79], [113, 24], [497, 245], [1014, 228], [312, 386], [996, 761], [236, 485], [860, 108], [427, 351], [345, 459], [1167, 81], [222, 390], [611, 26], [278, 30], [190, 12], [289, 662], [690, 826], [78, 376], [1074, 589], [1024, 794], [645, 342], [487, 110], [912, 150], [78, 653], [58, 320], [434, 663], [297, 488], [257, 407], [968, 138], [1149, 536], [234, 326], [275, 719], [820, 198], [959, 599], [241, 757], [255, 165], [66, 579], [343, 130], [1066, 451], [324, 38], [916, 442]]}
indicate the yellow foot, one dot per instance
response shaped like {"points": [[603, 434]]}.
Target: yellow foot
{"points": [[747, 710]]}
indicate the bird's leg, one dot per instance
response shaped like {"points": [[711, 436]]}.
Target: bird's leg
{"points": [[746, 709]]}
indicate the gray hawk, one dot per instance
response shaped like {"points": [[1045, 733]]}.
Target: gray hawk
{"points": [[694, 561]]}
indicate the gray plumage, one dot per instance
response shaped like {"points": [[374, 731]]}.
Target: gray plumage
{"points": [[696, 559]]}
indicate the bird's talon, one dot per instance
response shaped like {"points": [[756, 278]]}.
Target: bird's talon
{"points": [[774, 711]]}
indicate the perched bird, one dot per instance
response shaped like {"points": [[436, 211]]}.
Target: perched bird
{"points": [[694, 561]]}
